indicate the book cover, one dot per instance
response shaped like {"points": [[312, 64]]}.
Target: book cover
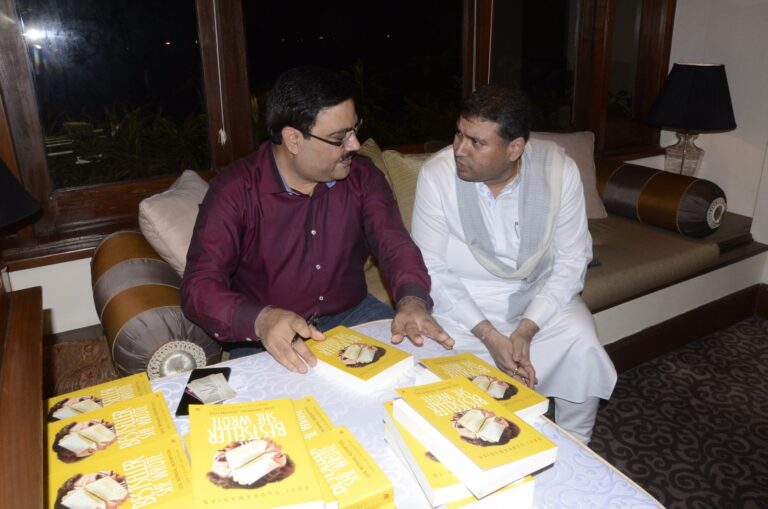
{"points": [[251, 455], [154, 475], [440, 486], [482, 443], [312, 418], [437, 482], [313, 421], [359, 360], [92, 398], [509, 392], [85, 438], [353, 476]]}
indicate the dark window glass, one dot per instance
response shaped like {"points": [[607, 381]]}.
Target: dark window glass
{"points": [[119, 88], [405, 57], [534, 48]]}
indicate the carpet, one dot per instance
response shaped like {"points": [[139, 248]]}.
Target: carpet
{"points": [[691, 426], [73, 365]]}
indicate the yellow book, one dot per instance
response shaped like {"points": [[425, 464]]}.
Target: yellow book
{"points": [[440, 486], [359, 361], [438, 483], [313, 421], [353, 476], [482, 443], [512, 394], [154, 475], [124, 425], [251, 455], [93, 398], [312, 418]]}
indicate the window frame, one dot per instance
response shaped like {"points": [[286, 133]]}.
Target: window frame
{"points": [[76, 219]]}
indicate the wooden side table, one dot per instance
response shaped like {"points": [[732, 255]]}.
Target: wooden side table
{"points": [[21, 392]]}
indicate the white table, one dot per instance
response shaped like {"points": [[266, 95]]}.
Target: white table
{"points": [[579, 478]]}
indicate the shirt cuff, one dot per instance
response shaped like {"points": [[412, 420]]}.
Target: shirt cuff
{"points": [[413, 290], [540, 311], [467, 313], [244, 321]]}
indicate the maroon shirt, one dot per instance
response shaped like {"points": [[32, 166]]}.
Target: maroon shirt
{"points": [[257, 244]]}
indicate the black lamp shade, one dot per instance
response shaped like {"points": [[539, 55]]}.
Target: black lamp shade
{"points": [[15, 202], [696, 98]]}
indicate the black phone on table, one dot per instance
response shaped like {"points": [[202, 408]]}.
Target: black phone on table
{"points": [[187, 398]]}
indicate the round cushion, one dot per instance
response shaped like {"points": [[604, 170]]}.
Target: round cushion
{"points": [[688, 205]]}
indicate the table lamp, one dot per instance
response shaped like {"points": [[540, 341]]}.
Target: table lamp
{"points": [[694, 98]]}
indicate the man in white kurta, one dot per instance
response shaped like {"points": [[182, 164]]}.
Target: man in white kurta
{"points": [[551, 343]]}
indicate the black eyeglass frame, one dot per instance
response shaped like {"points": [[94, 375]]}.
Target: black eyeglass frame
{"points": [[339, 143]]}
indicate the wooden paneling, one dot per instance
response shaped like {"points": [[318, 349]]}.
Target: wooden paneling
{"points": [[21, 406]]}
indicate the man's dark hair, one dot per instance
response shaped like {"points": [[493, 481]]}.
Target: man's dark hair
{"points": [[506, 106], [299, 94]]}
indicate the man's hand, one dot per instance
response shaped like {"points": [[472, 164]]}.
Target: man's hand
{"points": [[511, 354], [413, 320], [277, 329]]}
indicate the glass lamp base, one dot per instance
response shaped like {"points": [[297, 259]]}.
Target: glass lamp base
{"points": [[684, 157]]}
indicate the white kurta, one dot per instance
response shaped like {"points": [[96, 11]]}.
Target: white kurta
{"points": [[570, 363]]}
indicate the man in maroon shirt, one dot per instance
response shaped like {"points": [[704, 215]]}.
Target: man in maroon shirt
{"points": [[283, 234]]}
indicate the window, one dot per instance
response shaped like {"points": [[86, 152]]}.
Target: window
{"points": [[429, 53], [118, 88], [407, 66]]}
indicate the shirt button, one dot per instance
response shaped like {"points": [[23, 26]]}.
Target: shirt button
{"points": [[321, 298], [313, 232], [317, 266], [215, 334]]}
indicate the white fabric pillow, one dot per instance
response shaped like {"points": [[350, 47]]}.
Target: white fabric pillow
{"points": [[167, 219], [580, 146]]}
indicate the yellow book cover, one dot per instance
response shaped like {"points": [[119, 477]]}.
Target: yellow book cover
{"points": [[87, 400], [482, 443], [251, 455], [437, 482], [83, 439], [355, 479], [512, 394], [312, 418], [155, 476], [359, 360]]}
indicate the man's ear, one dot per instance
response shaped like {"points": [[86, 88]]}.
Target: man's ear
{"points": [[515, 148], [292, 139]]}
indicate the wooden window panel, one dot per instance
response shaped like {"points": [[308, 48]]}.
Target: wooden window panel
{"points": [[76, 219]]}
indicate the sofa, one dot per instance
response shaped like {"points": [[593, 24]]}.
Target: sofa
{"points": [[643, 224]]}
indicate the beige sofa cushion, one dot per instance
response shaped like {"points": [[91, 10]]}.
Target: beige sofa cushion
{"points": [[580, 146], [403, 171], [167, 219], [371, 149]]}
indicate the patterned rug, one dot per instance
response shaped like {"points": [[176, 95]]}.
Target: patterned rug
{"points": [[691, 427], [73, 365]]}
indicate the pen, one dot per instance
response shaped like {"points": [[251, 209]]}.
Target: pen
{"points": [[312, 320]]}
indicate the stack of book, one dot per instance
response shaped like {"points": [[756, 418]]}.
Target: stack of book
{"points": [[280, 453], [463, 447], [114, 445], [359, 361]]}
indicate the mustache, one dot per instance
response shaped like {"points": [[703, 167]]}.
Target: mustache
{"points": [[347, 156]]}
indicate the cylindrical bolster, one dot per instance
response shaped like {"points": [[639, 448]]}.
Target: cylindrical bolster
{"points": [[688, 205], [136, 294]]}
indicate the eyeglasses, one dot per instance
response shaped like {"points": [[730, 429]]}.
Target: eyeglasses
{"points": [[342, 142]]}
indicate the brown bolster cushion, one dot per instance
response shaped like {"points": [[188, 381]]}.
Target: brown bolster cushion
{"points": [[688, 205]]}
